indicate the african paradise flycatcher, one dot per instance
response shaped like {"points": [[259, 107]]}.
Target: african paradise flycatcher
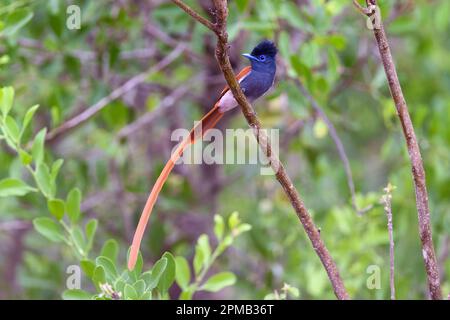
{"points": [[255, 80]]}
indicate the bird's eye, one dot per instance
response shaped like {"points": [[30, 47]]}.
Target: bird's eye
{"points": [[262, 58]]}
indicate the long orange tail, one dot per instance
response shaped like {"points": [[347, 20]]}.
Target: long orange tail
{"points": [[206, 123]]}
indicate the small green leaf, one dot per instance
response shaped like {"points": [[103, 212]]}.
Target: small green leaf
{"points": [[76, 294], [130, 293], [168, 277], [320, 129], [55, 168], [37, 150], [73, 203], [56, 208], [219, 281], [147, 295], [293, 291], [99, 276], [243, 228], [25, 157], [12, 129], [28, 116], [90, 229], [139, 286], [14, 187], [78, 238], [88, 267], [43, 180], [233, 220], [6, 100], [202, 253], [183, 273], [219, 226], [108, 266], [157, 272], [110, 250], [49, 229], [186, 295]]}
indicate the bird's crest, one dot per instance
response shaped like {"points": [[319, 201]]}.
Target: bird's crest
{"points": [[265, 47]]}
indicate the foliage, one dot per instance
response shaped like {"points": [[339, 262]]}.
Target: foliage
{"points": [[83, 210]]}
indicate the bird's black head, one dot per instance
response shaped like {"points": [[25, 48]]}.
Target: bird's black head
{"points": [[263, 56]]}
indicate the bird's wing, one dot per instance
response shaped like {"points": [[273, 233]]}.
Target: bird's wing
{"points": [[239, 77]]}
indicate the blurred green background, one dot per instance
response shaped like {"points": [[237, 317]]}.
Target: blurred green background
{"points": [[115, 157]]}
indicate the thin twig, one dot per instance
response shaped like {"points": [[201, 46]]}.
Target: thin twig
{"points": [[144, 120], [195, 15], [418, 171], [339, 145], [386, 199], [263, 141], [117, 93]]}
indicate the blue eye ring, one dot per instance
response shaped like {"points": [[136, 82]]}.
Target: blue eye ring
{"points": [[262, 58]]}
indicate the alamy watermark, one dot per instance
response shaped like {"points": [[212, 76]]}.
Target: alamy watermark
{"points": [[236, 146], [73, 21]]}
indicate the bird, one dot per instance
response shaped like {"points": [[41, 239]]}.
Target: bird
{"points": [[255, 80]]}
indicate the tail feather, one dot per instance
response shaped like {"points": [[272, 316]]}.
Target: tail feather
{"points": [[206, 123]]}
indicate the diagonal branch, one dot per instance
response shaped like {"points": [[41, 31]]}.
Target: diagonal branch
{"points": [[211, 26], [418, 171], [115, 94], [264, 143]]}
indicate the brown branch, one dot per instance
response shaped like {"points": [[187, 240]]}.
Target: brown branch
{"points": [[418, 171], [195, 15], [386, 199], [144, 120], [263, 141], [115, 94]]}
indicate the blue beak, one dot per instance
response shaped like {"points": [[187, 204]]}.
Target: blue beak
{"points": [[250, 57]]}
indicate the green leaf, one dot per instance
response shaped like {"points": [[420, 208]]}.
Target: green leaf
{"points": [[49, 229], [73, 203], [139, 286], [110, 250], [130, 293], [157, 272], [16, 20], [233, 220], [12, 129], [56, 208], [99, 276], [108, 266], [243, 228], [88, 267], [186, 295], [183, 273], [25, 157], [147, 295], [168, 277], [43, 180], [90, 229], [6, 100], [76, 294], [14, 187], [202, 253], [28, 116], [219, 226], [55, 168], [320, 129], [219, 281], [37, 150], [78, 238]]}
